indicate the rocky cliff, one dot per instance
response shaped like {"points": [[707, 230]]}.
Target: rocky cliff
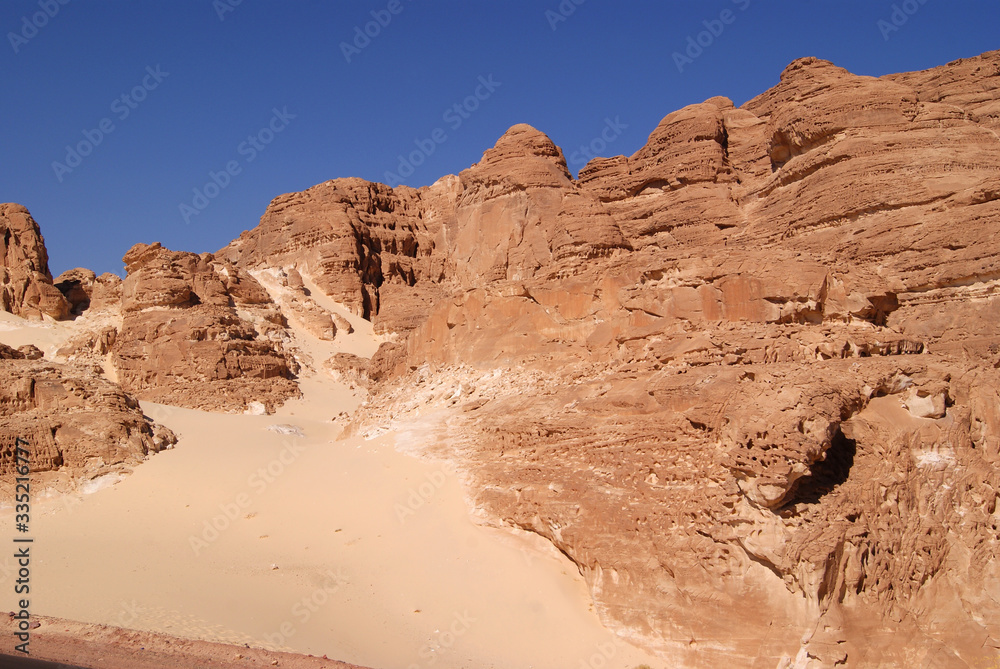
{"points": [[76, 424], [745, 378], [182, 329]]}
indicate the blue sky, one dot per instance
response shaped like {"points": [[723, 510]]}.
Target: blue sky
{"points": [[265, 96]]}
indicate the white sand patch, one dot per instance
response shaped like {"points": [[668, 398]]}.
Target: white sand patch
{"points": [[934, 459]]}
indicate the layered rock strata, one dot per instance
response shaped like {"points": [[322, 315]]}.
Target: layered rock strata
{"points": [[199, 332], [745, 378]]}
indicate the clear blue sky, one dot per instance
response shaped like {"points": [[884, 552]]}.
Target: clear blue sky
{"points": [[220, 81]]}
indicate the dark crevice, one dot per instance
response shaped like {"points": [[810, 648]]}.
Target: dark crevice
{"points": [[824, 475], [882, 306], [76, 294], [723, 140]]}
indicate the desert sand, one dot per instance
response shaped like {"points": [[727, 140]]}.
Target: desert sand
{"points": [[268, 530], [743, 381]]}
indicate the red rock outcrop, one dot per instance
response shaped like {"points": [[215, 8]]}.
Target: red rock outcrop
{"points": [[198, 332], [291, 296], [25, 282], [746, 378], [520, 216], [182, 328], [73, 422], [84, 290], [351, 236]]}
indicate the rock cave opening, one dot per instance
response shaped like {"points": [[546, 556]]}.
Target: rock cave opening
{"points": [[824, 475]]}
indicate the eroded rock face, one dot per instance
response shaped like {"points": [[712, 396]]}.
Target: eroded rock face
{"points": [[350, 235], [745, 378], [25, 282], [76, 424], [84, 290], [181, 329], [198, 332]]}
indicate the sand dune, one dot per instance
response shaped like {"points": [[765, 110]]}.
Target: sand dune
{"points": [[271, 532]]}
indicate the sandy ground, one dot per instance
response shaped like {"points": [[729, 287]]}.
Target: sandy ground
{"points": [[106, 647], [48, 336], [269, 531]]}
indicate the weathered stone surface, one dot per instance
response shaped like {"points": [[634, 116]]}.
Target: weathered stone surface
{"points": [[31, 352], [746, 379], [198, 332], [351, 235], [520, 215], [290, 295], [74, 423], [84, 290], [970, 84], [9, 353], [25, 282]]}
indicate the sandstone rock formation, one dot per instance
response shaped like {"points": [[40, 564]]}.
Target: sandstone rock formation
{"points": [[745, 378], [199, 332], [25, 282], [30, 352], [291, 296], [182, 328], [76, 424], [84, 290], [350, 235]]}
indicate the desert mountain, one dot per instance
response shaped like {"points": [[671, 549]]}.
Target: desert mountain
{"points": [[746, 378]]}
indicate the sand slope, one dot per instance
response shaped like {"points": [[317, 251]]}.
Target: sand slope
{"points": [[271, 532]]}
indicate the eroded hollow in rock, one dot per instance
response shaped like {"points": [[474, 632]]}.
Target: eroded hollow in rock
{"points": [[76, 294], [824, 475]]}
